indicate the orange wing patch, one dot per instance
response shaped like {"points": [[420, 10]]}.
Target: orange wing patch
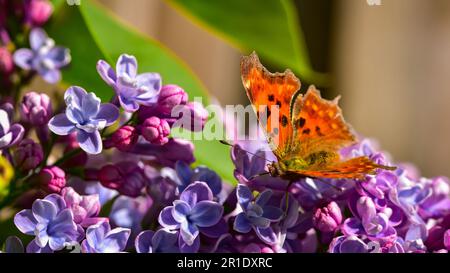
{"points": [[318, 125], [355, 168], [270, 94]]}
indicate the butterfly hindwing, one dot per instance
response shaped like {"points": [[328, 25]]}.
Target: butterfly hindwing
{"points": [[270, 95]]}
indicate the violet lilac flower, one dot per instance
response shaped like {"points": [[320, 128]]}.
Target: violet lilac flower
{"points": [[10, 134], [131, 88], [50, 221], [161, 241], [44, 57], [84, 115], [100, 238], [195, 210], [257, 214], [348, 244]]}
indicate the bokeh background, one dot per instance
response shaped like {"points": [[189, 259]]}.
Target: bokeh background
{"points": [[390, 63]]}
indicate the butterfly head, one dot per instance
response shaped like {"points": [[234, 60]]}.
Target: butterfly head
{"points": [[276, 169]]}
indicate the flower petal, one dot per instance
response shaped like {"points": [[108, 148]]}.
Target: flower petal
{"points": [[263, 198], [25, 221], [90, 105], [241, 224], [32, 247], [164, 241], [51, 76], [23, 58], [193, 248], [267, 235], [38, 37], [91, 143], [196, 192], [116, 240], [166, 218], [189, 232], [13, 245], [143, 242], [96, 234], [106, 72], [244, 196], [126, 65], [74, 96], [60, 56], [61, 125], [353, 244], [180, 211], [272, 213], [128, 105], [108, 112], [43, 210], [206, 213], [5, 140], [17, 131]]}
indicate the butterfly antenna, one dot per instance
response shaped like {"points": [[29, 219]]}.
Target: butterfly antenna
{"points": [[231, 145], [258, 175]]}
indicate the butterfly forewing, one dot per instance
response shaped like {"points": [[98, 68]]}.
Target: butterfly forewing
{"points": [[270, 95]]}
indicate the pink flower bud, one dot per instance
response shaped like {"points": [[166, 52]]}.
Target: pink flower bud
{"points": [[198, 114], [84, 207], [36, 108], [28, 155], [123, 139], [170, 96], [155, 130], [126, 177], [39, 12], [52, 179], [327, 218], [6, 61]]}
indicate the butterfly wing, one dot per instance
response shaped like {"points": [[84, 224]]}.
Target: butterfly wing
{"points": [[270, 95], [319, 133]]}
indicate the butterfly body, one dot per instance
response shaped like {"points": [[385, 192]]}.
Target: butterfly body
{"points": [[305, 132]]}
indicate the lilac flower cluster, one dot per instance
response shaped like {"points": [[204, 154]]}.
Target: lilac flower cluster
{"points": [[109, 177]]}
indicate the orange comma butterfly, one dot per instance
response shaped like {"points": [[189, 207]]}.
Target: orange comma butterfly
{"points": [[307, 131]]}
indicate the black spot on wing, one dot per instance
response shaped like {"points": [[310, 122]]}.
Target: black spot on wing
{"points": [[284, 121]]}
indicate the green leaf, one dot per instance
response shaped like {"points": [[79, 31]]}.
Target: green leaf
{"points": [[93, 33], [269, 27]]}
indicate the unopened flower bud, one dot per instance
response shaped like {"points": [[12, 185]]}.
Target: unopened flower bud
{"points": [[327, 218], [28, 155], [123, 139], [52, 179], [36, 108], [6, 61], [126, 177], [155, 130], [170, 96], [39, 11]]}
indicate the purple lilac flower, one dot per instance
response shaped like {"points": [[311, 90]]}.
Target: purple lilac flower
{"points": [[85, 208], [91, 188], [35, 108], [84, 115], [437, 202], [194, 211], [186, 176], [10, 134], [28, 155], [131, 88], [248, 169], [256, 215], [100, 238], [50, 221], [127, 177], [161, 241], [44, 57]]}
